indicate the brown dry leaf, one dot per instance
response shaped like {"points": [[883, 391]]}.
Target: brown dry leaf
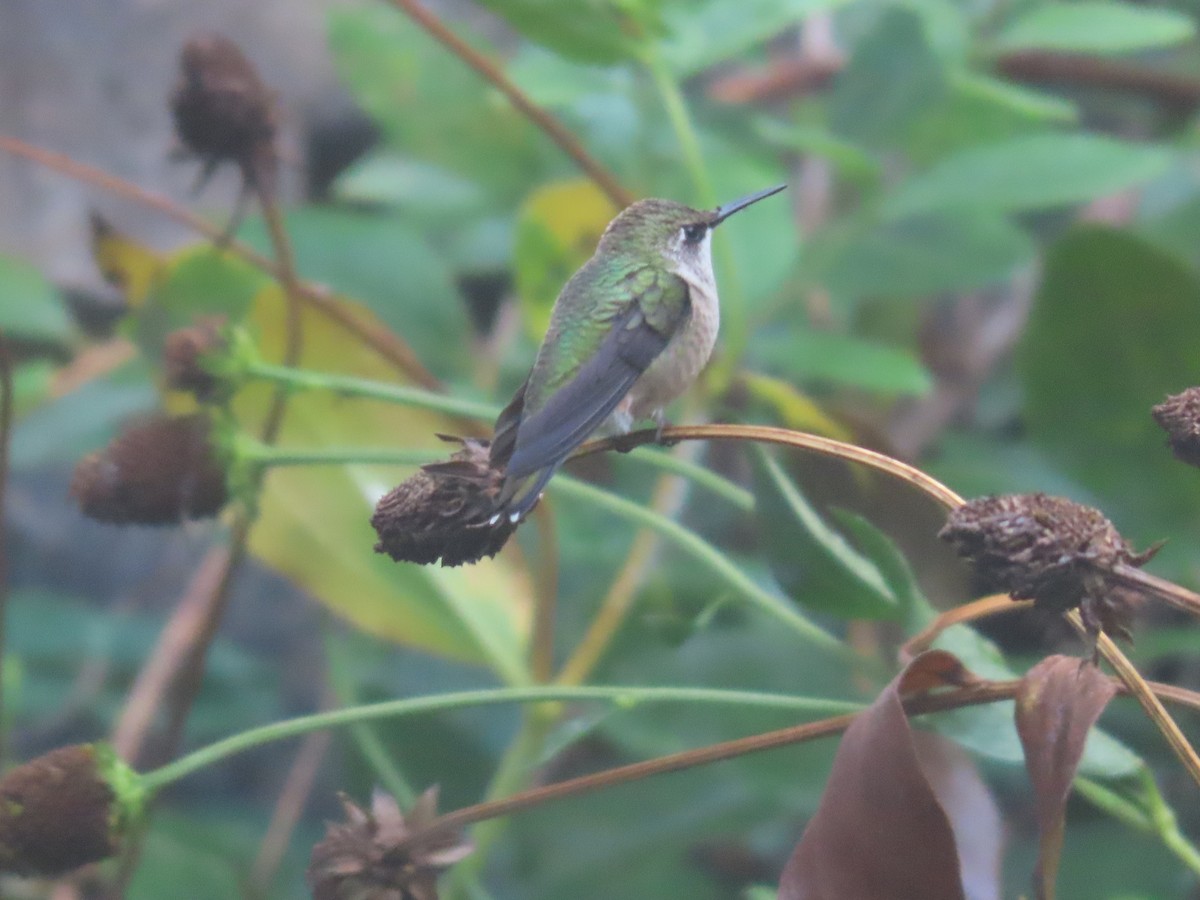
{"points": [[880, 832], [972, 811], [1058, 702]]}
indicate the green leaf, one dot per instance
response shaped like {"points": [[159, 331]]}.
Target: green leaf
{"points": [[812, 561], [701, 34], [927, 254], [429, 105], [893, 77], [30, 309], [1113, 330], [385, 262], [582, 30], [420, 188], [1027, 173], [850, 160], [1098, 27], [840, 359]]}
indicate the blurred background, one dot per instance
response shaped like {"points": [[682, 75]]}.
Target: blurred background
{"points": [[986, 265]]}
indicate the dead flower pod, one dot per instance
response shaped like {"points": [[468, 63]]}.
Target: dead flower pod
{"points": [[1051, 550], [223, 112], [66, 808], [370, 854], [156, 472], [444, 511], [1179, 417], [184, 351]]}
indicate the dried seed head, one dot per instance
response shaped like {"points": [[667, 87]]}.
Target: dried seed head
{"points": [[368, 856], [223, 112], [64, 809], [1179, 417], [157, 472], [1053, 551], [444, 512], [183, 357]]}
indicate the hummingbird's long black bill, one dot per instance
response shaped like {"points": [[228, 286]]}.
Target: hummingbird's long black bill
{"points": [[724, 212]]}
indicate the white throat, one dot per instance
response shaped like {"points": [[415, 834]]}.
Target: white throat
{"points": [[694, 265]]}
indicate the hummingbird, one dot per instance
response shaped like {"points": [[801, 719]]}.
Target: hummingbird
{"points": [[630, 332]]}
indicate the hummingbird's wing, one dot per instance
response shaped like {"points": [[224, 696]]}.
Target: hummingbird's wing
{"points": [[635, 338]]}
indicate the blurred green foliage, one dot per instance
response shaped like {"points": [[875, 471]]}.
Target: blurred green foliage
{"points": [[928, 183]]}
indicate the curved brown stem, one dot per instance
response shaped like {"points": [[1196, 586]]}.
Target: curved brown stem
{"points": [[771, 435], [388, 345]]}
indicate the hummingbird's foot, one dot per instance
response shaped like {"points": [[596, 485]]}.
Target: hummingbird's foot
{"points": [[660, 422], [627, 442]]}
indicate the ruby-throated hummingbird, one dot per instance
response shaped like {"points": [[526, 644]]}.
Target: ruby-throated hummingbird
{"points": [[629, 333]]}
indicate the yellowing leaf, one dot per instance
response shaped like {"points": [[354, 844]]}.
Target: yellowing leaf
{"points": [[557, 230], [128, 265], [314, 524]]}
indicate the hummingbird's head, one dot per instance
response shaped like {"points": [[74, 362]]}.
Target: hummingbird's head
{"points": [[679, 234]]}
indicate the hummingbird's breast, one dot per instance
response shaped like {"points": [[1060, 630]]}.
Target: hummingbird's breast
{"points": [[684, 356]]}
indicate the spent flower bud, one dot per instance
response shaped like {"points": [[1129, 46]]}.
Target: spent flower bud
{"points": [[223, 112], [377, 855], [158, 471], [445, 511], [1051, 550], [66, 808], [1179, 417]]}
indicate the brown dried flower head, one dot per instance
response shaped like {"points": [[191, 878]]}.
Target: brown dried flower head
{"points": [[369, 857], [1051, 550], [156, 472], [223, 112], [64, 809], [1179, 417], [444, 511], [183, 357]]}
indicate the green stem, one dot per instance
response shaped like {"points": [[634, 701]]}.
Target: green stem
{"points": [[704, 552], [625, 697], [348, 385], [717, 484], [364, 736], [1159, 820], [733, 301]]}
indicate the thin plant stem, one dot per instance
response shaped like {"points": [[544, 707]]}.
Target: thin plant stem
{"points": [[1144, 694], [388, 345], [984, 692], [713, 559], [667, 500], [191, 670], [364, 736], [353, 386], [1160, 821], [6, 419], [985, 607], [733, 302], [490, 72], [625, 697], [784, 437]]}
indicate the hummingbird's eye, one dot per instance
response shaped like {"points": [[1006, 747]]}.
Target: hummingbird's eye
{"points": [[694, 234]]}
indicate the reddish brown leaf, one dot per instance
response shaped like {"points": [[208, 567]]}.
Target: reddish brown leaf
{"points": [[1058, 702], [880, 832], [971, 809]]}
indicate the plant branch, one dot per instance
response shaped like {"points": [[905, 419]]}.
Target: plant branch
{"points": [[782, 436], [992, 605], [388, 345], [626, 697], [6, 419], [353, 386], [490, 72], [699, 549]]}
